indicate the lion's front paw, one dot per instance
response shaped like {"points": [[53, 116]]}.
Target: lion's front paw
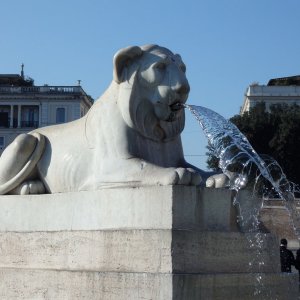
{"points": [[167, 176], [188, 176], [217, 181], [29, 187], [183, 176]]}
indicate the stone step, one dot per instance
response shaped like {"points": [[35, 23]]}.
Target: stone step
{"points": [[258, 286], [150, 207], [162, 251], [34, 284], [224, 252]]}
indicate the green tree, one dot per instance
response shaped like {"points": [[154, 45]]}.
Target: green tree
{"points": [[275, 133]]}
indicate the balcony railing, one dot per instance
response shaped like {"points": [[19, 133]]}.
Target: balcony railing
{"points": [[31, 124], [41, 89], [24, 124]]}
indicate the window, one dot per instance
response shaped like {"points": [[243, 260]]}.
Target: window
{"points": [[4, 116], [60, 115], [30, 116], [4, 120], [2, 142]]}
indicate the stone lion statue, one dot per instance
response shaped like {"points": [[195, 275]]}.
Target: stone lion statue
{"points": [[130, 136]]}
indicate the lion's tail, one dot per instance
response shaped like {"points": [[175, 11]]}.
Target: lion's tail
{"points": [[27, 168]]}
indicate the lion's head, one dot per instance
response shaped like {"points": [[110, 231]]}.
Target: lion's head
{"points": [[152, 87]]}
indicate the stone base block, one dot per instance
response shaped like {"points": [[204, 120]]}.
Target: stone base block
{"points": [[151, 207], [66, 285], [258, 286], [165, 243], [154, 251]]}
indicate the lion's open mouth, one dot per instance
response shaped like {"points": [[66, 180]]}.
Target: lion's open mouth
{"points": [[176, 106]]}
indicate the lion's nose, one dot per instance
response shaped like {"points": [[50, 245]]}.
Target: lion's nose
{"points": [[183, 89]]}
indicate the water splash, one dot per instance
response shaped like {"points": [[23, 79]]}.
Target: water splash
{"points": [[236, 156], [245, 167]]}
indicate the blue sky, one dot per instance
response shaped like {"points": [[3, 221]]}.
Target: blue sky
{"points": [[226, 45]]}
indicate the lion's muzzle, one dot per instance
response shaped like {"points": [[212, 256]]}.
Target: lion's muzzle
{"points": [[176, 106]]}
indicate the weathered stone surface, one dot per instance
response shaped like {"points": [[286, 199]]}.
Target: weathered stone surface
{"points": [[154, 251], [112, 250], [65, 285], [223, 252], [152, 207], [171, 242], [278, 221], [261, 286], [54, 285]]}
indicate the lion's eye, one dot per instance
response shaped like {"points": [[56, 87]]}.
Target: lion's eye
{"points": [[161, 66]]}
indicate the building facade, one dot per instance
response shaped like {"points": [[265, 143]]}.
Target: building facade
{"points": [[24, 106], [285, 90]]}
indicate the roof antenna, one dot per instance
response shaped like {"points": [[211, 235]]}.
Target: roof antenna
{"points": [[22, 70]]}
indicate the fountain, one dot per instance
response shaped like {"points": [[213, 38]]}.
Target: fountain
{"points": [[106, 207], [236, 156]]}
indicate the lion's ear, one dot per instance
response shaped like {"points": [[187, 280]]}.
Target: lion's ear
{"points": [[122, 59]]}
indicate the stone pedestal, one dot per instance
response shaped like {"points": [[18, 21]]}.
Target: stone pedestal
{"points": [[171, 242]]}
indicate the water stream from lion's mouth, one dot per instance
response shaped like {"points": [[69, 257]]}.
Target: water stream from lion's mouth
{"points": [[247, 169]]}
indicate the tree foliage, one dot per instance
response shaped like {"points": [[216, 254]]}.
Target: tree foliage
{"points": [[275, 133]]}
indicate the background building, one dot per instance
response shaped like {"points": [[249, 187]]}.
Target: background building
{"points": [[285, 90], [24, 106]]}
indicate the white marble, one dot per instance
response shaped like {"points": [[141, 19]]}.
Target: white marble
{"points": [[130, 136]]}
